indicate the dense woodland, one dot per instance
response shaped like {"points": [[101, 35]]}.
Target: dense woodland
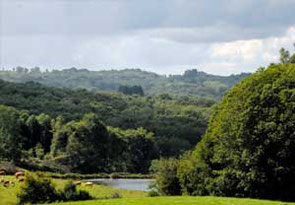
{"points": [[192, 82], [125, 131], [248, 148]]}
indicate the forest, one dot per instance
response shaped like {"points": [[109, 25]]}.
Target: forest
{"points": [[127, 132], [191, 83], [248, 147]]}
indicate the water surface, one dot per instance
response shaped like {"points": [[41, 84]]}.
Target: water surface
{"points": [[131, 184]]}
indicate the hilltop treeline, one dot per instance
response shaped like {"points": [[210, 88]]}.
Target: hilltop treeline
{"points": [[192, 82]]}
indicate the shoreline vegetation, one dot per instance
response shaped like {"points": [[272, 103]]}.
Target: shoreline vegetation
{"points": [[8, 195], [99, 176]]}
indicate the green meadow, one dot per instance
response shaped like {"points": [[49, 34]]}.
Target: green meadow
{"points": [[183, 200], [8, 196]]}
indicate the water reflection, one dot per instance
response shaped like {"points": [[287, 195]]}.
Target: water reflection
{"points": [[131, 184]]}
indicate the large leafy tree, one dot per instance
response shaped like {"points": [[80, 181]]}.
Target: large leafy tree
{"points": [[138, 149], [87, 144], [249, 147], [10, 137]]}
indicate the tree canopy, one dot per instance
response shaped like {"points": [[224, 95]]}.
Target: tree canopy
{"points": [[248, 148]]}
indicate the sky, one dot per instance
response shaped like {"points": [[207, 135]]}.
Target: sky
{"points": [[221, 37]]}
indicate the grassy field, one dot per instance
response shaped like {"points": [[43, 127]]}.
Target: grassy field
{"points": [[179, 201], [8, 195]]}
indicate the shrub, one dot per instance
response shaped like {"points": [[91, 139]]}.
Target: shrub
{"points": [[153, 193], [167, 182], [70, 193], [37, 190], [116, 195]]}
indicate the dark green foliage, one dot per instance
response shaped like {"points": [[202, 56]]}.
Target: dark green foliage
{"points": [[131, 90], [176, 121], [83, 146], [70, 193], [167, 182], [10, 134], [137, 149], [59, 137], [193, 82], [55, 136], [87, 147], [153, 193], [115, 195], [37, 190], [248, 149]]}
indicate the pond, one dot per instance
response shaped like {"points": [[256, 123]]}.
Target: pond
{"points": [[131, 184]]}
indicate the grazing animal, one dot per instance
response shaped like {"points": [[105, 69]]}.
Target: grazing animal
{"points": [[77, 182], [21, 180], [88, 184], [2, 172], [6, 183], [18, 174]]}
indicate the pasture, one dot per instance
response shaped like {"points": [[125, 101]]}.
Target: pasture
{"points": [[8, 194], [181, 200], [102, 192]]}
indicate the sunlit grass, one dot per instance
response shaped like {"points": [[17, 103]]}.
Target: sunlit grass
{"points": [[8, 194], [8, 197], [184, 200]]}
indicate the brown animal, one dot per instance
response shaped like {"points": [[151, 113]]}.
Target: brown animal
{"points": [[88, 184], [77, 182], [21, 180], [12, 183], [2, 172], [19, 174], [6, 183]]}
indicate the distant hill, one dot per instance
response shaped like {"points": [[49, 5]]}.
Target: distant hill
{"points": [[192, 82]]}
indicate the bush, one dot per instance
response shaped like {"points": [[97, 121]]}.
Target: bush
{"points": [[167, 182], [37, 190], [116, 195], [40, 190], [153, 193], [70, 193]]}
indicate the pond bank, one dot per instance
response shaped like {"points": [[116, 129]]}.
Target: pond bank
{"points": [[99, 176], [129, 184]]}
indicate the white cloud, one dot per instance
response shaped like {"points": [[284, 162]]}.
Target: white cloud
{"points": [[167, 36], [252, 53]]}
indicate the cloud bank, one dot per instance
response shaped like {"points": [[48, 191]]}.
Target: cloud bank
{"points": [[167, 36]]}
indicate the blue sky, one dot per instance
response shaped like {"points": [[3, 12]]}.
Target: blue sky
{"points": [[163, 36]]}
